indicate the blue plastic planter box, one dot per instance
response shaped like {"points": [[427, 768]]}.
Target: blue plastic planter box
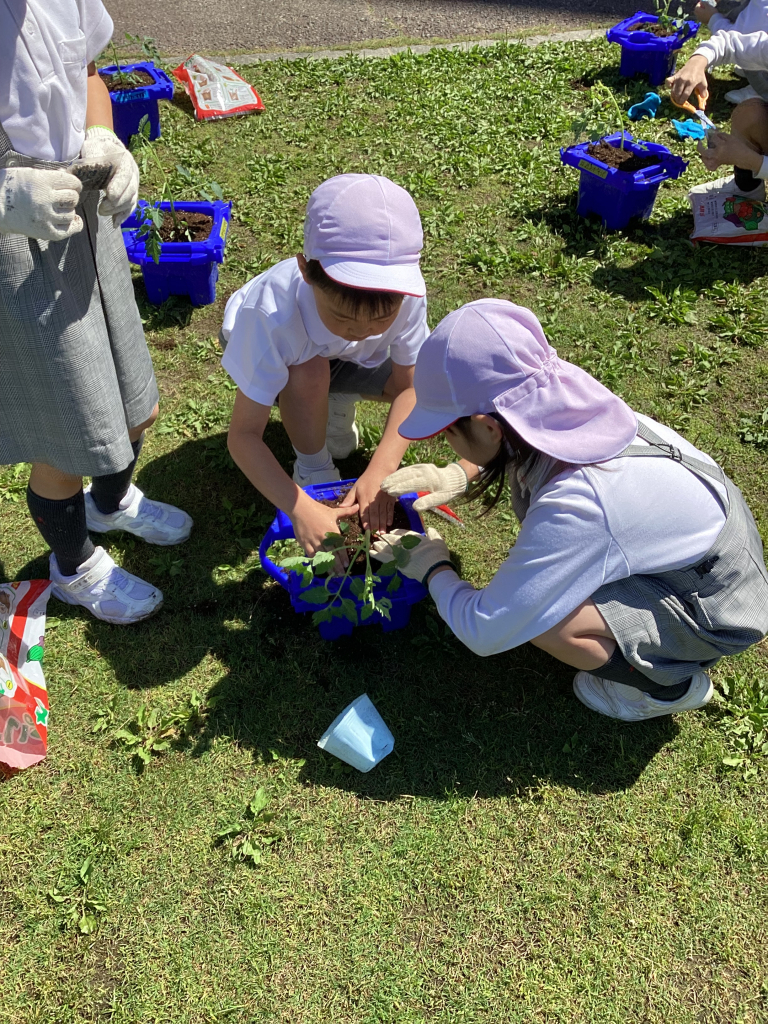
{"points": [[130, 105], [409, 592], [643, 53], [617, 196], [185, 268]]}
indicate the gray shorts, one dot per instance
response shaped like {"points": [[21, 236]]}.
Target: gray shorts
{"points": [[352, 379]]}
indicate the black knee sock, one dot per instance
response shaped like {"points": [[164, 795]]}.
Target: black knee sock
{"points": [[62, 524], [108, 491], [618, 670], [745, 179]]}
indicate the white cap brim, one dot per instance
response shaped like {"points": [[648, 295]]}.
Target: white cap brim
{"points": [[404, 278]]}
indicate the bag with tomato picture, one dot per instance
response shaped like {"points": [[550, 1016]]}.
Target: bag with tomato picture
{"points": [[724, 216], [23, 696]]}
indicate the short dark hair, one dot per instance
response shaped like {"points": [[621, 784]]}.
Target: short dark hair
{"points": [[513, 453], [356, 300]]}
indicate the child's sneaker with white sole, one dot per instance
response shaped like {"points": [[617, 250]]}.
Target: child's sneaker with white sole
{"points": [[617, 700], [341, 434], [153, 521], [320, 476], [108, 591]]}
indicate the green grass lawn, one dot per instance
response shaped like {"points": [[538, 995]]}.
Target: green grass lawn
{"points": [[517, 858]]}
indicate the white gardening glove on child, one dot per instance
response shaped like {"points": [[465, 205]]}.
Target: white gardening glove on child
{"points": [[443, 484], [416, 556], [121, 193], [39, 204]]}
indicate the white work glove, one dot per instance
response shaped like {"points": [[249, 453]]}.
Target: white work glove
{"points": [[39, 204], [443, 484], [414, 555], [121, 193]]}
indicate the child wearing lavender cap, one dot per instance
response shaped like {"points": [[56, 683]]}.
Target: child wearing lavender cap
{"points": [[341, 321], [637, 562]]}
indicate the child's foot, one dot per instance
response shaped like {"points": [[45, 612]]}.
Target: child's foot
{"points": [[322, 476], [341, 433], [107, 591], [739, 95], [153, 521], [617, 700]]}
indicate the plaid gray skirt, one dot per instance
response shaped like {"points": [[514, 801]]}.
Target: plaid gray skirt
{"points": [[75, 373]]}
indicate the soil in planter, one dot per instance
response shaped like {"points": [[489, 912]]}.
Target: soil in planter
{"points": [[622, 159], [192, 227], [139, 79], [654, 28], [355, 531]]}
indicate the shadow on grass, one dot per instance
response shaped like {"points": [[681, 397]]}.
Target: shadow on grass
{"points": [[498, 726]]}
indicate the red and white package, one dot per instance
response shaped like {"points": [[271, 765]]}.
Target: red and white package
{"points": [[216, 90], [23, 695]]}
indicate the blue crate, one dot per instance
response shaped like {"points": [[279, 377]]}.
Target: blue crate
{"points": [[185, 268], [619, 196], [409, 593], [130, 105], [643, 53]]}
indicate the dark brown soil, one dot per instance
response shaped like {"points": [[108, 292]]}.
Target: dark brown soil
{"points": [[578, 84], [188, 227], [653, 27], [623, 159], [355, 531], [139, 79]]}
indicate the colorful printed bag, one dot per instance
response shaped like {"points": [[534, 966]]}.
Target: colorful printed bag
{"points": [[23, 696]]}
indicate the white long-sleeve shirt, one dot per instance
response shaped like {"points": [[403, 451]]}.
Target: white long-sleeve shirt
{"points": [[748, 51], [586, 527], [754, 18]]}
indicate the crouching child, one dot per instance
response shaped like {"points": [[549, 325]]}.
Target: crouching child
{"points": [[343, 320]]}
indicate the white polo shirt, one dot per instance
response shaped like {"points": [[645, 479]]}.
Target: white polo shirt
{"points": [[45, 49], [272, 323]]}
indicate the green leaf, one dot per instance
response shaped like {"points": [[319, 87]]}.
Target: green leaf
{"points": [[394, 584], [324, 560], [317, 595], [143, 754], [410, 541], [87, 924], [86, 868], [128, 738], [357, 586], [733, 762], [294, 562], [322, 616], [387, 569], [349, 610], [259, 802], [366, 612]]}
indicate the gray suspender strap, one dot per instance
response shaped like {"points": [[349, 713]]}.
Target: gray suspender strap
{"points": [[663, 450], [5, 143]]}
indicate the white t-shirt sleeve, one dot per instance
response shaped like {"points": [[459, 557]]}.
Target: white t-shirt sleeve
{"points": [[251, 359], [560, 558], [404, 349], [748, 51], [97, 27]]}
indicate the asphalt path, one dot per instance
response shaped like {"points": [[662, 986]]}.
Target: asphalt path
{"points": [[245, 26]]}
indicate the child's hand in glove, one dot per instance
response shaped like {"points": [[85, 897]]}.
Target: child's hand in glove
{"points": [[443, 484], [121, 193], [416, 556], [39, 204]]}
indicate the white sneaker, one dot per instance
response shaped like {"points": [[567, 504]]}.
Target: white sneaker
{"points": [[739, 95], [153, 521], [321, 476], [616, 700], [107, 591], [341, 433]]}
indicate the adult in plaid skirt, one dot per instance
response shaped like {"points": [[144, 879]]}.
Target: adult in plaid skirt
{"points": [[77, 389], [637, 561]]}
